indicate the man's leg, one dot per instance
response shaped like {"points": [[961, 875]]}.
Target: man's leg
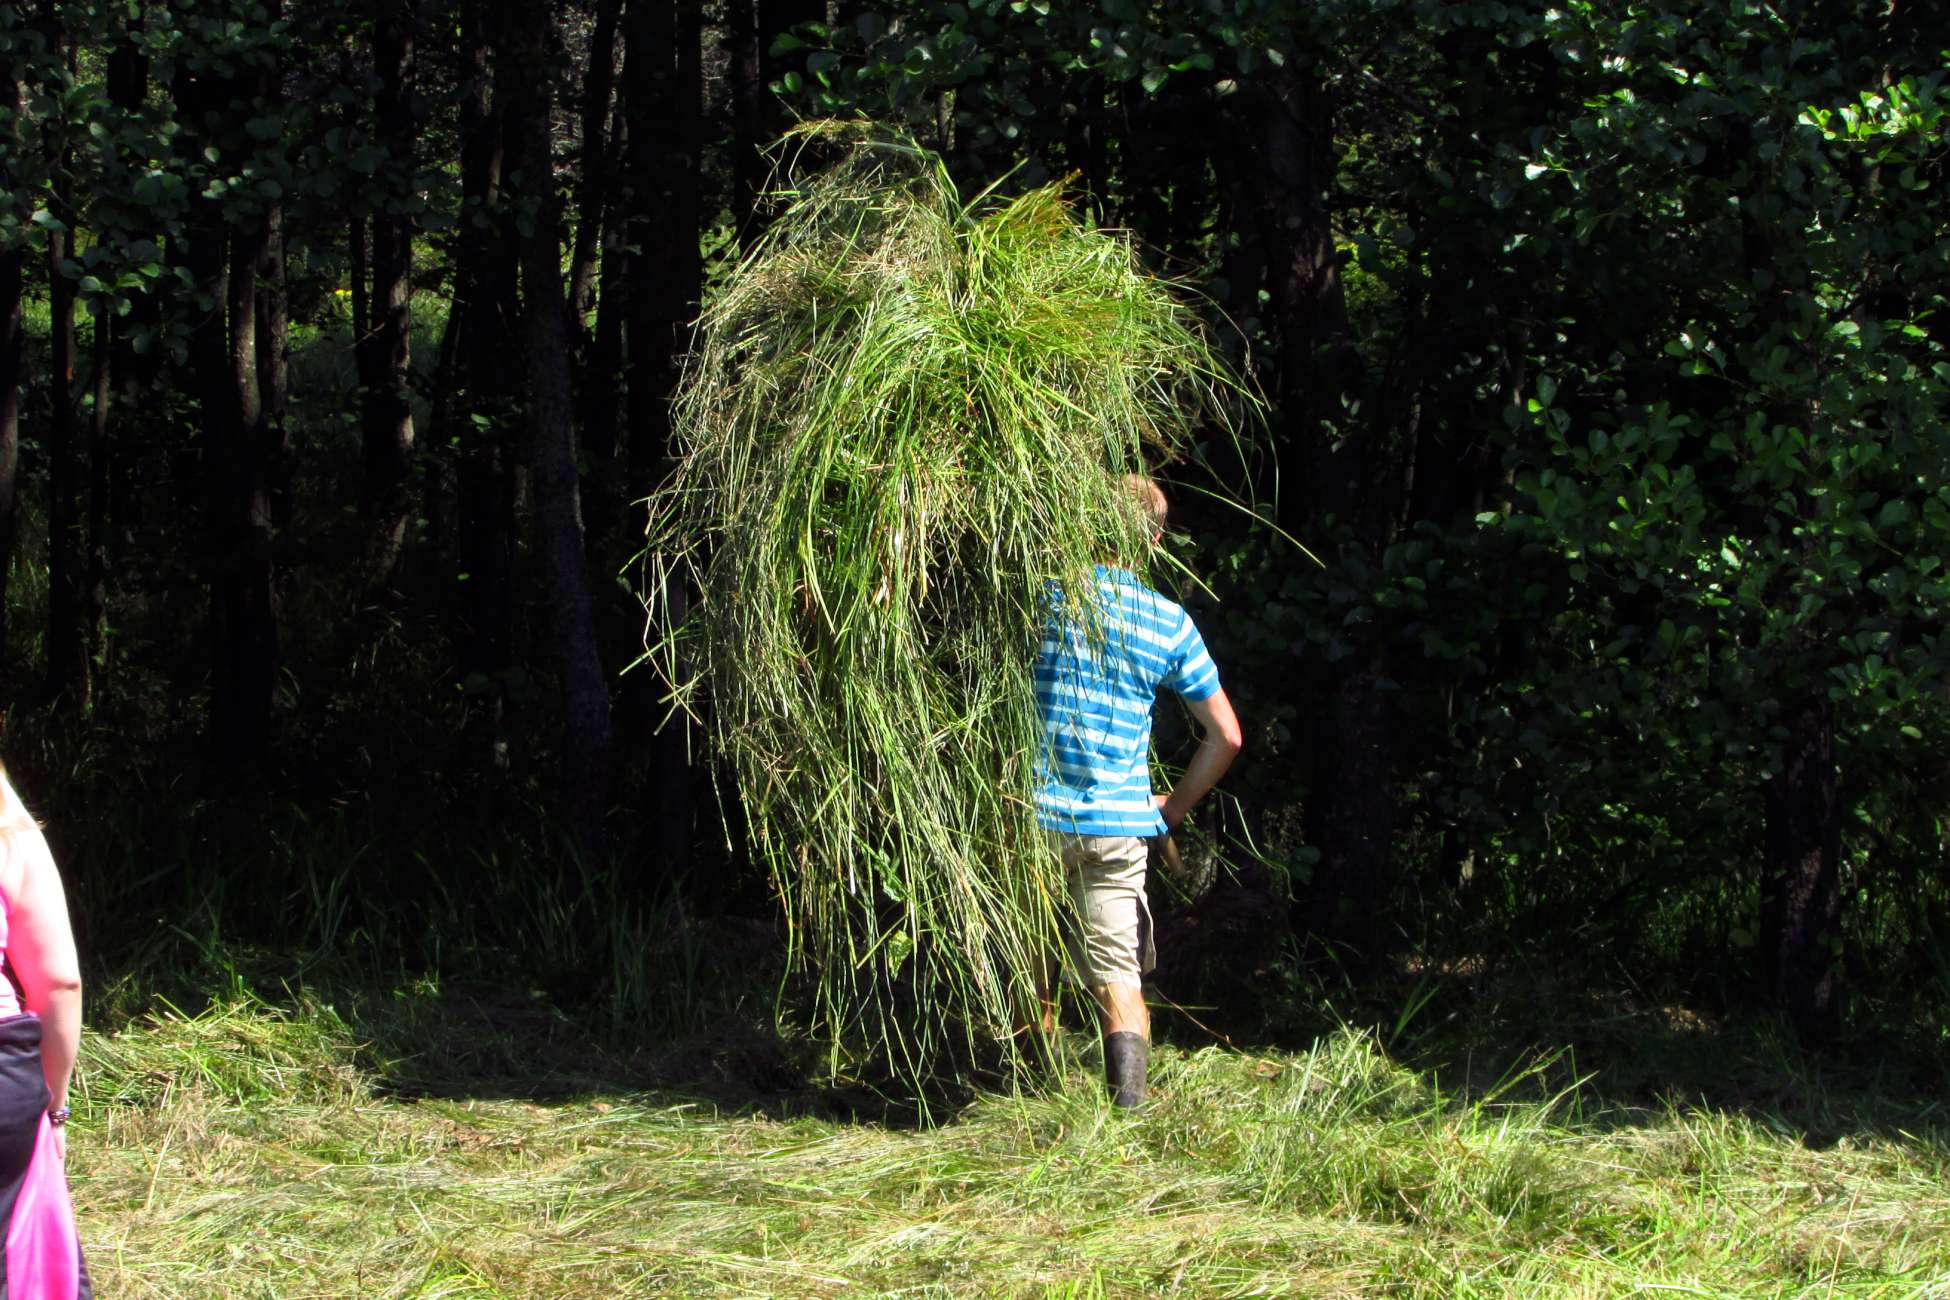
{"points": [[1127, 1043], [1124, 1009], [1107, 881]]}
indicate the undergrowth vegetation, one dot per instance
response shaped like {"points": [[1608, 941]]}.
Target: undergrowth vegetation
{"points": [[393, 1146]]}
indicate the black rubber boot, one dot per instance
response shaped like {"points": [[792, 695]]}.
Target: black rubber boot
{"points": [[1126, 1058]]}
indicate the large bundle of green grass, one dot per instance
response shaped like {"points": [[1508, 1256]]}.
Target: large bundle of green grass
{"points": [[907, 417]]}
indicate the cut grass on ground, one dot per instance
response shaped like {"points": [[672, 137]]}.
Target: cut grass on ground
{"points": [[254, 1150]]}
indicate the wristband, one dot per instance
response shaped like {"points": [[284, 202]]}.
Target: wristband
{"points": [[58, 1116]]}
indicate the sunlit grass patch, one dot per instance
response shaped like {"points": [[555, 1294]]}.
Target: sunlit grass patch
{"points": [[256, 1151]]}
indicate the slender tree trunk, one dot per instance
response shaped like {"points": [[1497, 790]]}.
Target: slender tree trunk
{"points": [[598, 162], [1351, 796], [101, 452], [274, 364], [665, 100], [67, 644], [1309, 308], [1801, 893], [744, 74], [358, 257], [436, 466], [206, 258], [665, 138], [602, 388], [132, 374], [388, 369], [484, 300], [67, 647], [751, 28], [552, 454], [244, 662], [10, 347], [1242, 266], [224, 252]]}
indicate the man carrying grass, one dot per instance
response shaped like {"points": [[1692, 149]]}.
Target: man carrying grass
{"points": [[1095, 687]]}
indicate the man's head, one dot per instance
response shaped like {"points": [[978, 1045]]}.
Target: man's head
{"points": [[1149, 499]]}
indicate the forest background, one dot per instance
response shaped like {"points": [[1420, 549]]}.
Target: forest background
{"points": [[1604, 355]]}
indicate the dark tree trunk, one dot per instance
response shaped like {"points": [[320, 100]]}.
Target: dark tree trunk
{"points": [[552, 454], [1242, 267], [1801, 892], [665, 138], [67, 455], [1351, 796], [597, 164], [388, 367], [751, 28], [358, 257], [207, 261], [436, 466], [274, 363], [745, 77], [67, 645], [484, 301], [665, 100], [10, 347], [1309, 309], [602, 387], [133, 374], [245, 650], [1351, 821], [224, 252], [100, 453]]}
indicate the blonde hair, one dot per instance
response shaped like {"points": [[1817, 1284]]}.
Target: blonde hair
{"points": [[1149, 499]]}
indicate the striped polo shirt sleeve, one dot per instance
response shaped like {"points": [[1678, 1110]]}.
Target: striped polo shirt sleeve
{"points": [[1192, 674]]}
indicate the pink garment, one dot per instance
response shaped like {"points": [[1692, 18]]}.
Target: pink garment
{"points": [[9, 991], [43, 1252]]}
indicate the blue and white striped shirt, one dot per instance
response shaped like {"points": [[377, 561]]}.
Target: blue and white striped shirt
{"points": [[1094, 775]]}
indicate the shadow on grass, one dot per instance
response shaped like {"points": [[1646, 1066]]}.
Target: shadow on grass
{"points": [[489, 1033], [1615, 1051], [478, 1041], [1610, 1057]]}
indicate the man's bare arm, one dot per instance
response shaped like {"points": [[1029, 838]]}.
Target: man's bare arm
{"points": [[1218, 746]]}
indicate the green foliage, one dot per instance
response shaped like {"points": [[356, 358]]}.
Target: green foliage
{"points": [[904, 428]]}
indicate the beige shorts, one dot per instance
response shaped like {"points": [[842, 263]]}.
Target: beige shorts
{"points": [[1111, 941]]}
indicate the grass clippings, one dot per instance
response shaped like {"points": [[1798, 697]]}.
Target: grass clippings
{"points": [[256, 1151]]}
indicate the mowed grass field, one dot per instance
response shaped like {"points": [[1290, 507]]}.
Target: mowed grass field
{"points": [[265, 1150]]}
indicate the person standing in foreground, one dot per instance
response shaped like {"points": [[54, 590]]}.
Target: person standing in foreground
{"points": [[40, 1030], [1095, 687]]}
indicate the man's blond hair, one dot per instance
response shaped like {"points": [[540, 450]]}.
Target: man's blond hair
{"points": [[1149, 499]]}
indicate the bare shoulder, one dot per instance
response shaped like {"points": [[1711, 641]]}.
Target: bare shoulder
{"points": [[23, 849]]}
